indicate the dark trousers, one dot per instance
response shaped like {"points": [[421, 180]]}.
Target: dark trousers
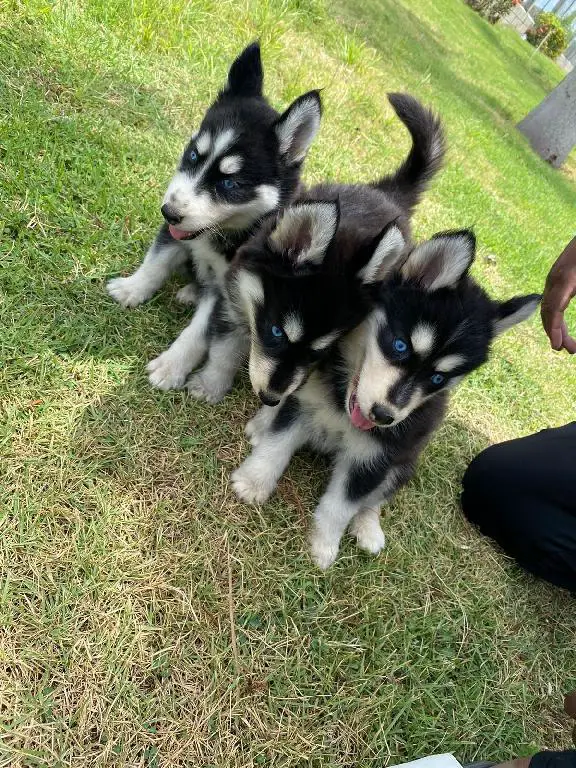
{"points": [[554, 759], [522, 494]]}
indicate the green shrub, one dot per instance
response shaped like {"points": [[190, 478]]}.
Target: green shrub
{"points": [[549, 34], [491, 9]]}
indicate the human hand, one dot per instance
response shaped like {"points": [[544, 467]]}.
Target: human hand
{"points": [[559, 291]]}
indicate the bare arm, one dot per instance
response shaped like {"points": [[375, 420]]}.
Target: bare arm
{"points": [[559, 291]]}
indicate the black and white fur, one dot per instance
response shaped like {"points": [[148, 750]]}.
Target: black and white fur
{"points": [[303, 280], [243, 163], [376, 401]]}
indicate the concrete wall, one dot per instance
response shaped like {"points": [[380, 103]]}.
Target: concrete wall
{"points": [[519, 19], [565, 63]]}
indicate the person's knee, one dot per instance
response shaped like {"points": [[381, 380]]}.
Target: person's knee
{"points": [[483, 482], [502, 496], [491, 486], [480, 471]]}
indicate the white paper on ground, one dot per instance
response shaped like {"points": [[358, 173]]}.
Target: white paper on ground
{"points": [[435, 761]]}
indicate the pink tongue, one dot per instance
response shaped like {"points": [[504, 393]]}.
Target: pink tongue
{"points": [[359, 420], [178, 234]]}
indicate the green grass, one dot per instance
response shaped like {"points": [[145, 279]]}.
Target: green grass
{"points": [[146, 617]]}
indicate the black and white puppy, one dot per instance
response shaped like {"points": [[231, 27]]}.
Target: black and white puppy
{"points": [[243, 163], [376, 401], [303, 280]]}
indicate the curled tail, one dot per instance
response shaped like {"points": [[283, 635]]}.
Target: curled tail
{"points": [[425, 157]]}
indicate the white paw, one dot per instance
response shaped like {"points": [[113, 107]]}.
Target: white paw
{"points": [[167, 371], [130, 291], [259, 424], [369, 534], [249, 487], [323, 550], [187, 295], [252, 432], [201, 389]]}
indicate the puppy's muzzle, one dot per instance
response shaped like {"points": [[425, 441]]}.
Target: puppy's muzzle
{"points": [[170, 214]]}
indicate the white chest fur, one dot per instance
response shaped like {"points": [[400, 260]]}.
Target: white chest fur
{"points": [[211, 264], [330, 428]]}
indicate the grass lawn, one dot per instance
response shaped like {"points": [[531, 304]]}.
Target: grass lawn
{"points": [[147, 618]]}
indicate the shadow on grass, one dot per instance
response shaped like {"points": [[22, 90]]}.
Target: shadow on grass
{"points": [[167, 448]]}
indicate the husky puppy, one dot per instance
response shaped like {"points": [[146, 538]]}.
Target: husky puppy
{"points": [[244, 162], [375, 402], [302, 281]]}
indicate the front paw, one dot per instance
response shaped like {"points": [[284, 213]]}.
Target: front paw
{"points": [[209, 391], [253, 431], [369, 535], [323, 550], [167, 371], [259, 424], [129, 291], [187, 295], [250, 487]]}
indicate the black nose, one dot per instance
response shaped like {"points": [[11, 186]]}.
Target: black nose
{"points": [[381, 415], [267, 399], [170, 215]]}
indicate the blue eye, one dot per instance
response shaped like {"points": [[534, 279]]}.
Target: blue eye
{"points": [[437, 379], [400, 346], [193, 155], [277, 332], [228, 183]]}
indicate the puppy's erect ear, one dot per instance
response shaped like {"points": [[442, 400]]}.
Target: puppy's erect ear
{"points": [[246, 76], [304, 231], [442, 261], [298, 126], [387, 256], [514, 311]]}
